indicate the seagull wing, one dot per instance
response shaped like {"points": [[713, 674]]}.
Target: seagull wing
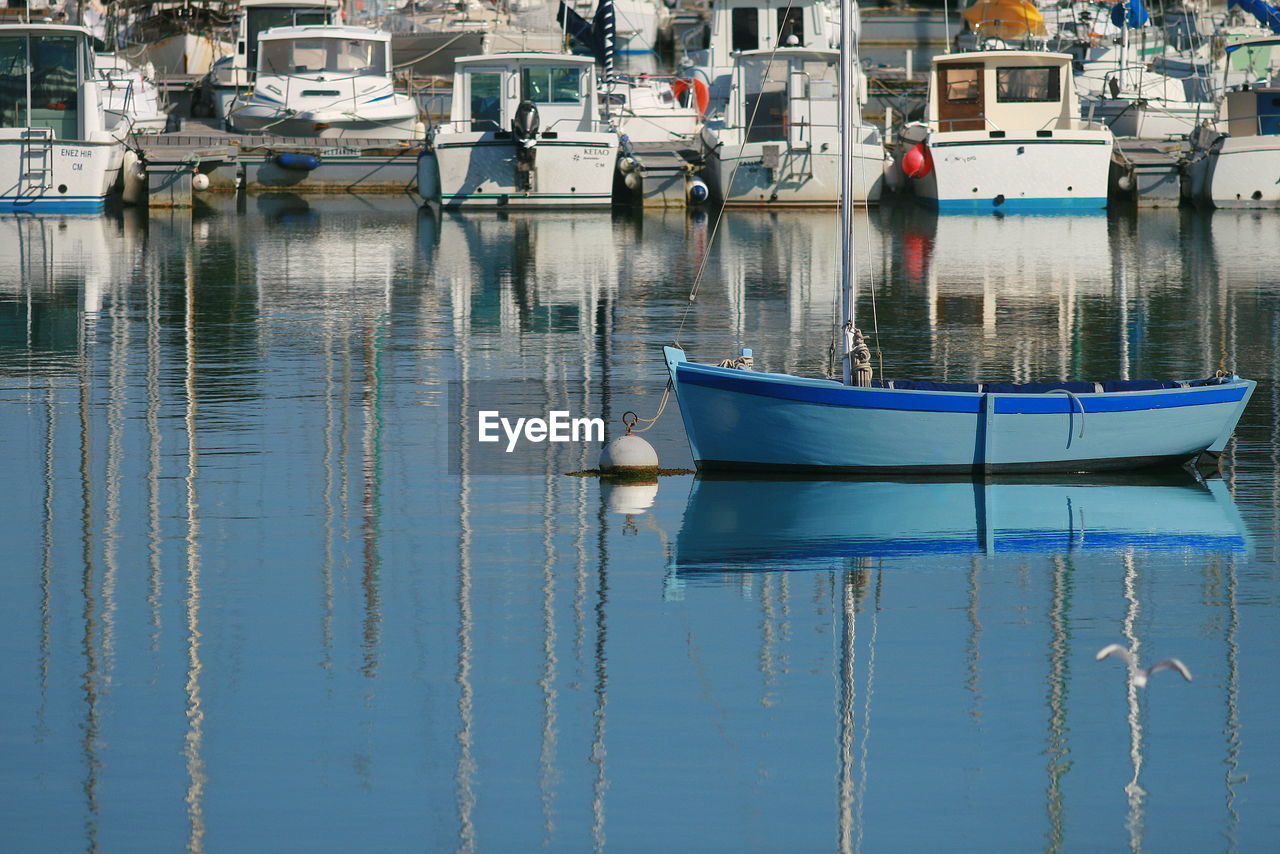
{"points": [[1171, 664], [1117, 650]]}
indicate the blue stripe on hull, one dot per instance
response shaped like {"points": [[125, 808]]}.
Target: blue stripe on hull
{"points": [[989, 205], [61, 204], [835, 394]]}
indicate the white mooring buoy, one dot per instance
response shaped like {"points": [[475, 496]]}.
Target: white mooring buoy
{"points": [[629, 455]]}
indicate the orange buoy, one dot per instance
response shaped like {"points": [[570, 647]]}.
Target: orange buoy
{"points": [[701, 92], [917, 162]]}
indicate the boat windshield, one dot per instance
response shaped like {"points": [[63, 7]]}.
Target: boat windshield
{"points": [[313, 55], [260, 18], [45, 66]]}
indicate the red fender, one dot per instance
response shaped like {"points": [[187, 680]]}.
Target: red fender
{"points": [[917, 162], [701, 92]]}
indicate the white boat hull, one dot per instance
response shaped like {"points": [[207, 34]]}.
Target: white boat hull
{"points": [[972, 171], [739, 176], [79, 178], [325, 127], [575, 169], [1146, 119], [185, 53], [1237, 172]]}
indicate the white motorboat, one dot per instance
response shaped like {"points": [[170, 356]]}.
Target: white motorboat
{"points": [[57, 152], [524, 131], [331, 82], [779, 140], [1235, 163], [1003, 132], [233, 73]]}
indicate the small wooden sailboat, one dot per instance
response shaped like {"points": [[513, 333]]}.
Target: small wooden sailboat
{"points": [[745, 420]]}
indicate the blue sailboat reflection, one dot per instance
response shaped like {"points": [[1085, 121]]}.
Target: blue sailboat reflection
{"points": [[741, 525]]}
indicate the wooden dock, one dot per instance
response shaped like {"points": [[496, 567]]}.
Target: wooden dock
{"points": [[258, 163], [1148, 170]]}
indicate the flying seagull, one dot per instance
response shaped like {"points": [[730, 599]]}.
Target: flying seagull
{"points": [[1136, 673]]}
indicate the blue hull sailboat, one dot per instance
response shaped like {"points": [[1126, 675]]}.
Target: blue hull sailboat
{"points": [[755, 421], [744, 420]]}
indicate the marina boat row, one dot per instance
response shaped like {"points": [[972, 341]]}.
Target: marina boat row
{"points": [[752, 121]]}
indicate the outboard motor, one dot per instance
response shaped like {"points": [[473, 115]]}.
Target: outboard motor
{"points": [[524, 129]]}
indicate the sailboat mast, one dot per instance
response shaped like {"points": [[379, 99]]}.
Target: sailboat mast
{"points": [[847, 100]]}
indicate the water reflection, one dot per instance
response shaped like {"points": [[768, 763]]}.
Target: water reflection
{"points": [[53, 271], [244, 573], [738, 525]]}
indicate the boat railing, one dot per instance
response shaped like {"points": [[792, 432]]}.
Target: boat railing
{"points": [[1055, 122], [491, 126]]}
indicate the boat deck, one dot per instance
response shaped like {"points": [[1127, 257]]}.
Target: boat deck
{"points": [[249, 161]]}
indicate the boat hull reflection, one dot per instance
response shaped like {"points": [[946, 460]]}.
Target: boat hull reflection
{"points": [[733, 524]]}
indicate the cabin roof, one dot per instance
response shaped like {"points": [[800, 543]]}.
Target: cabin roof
{"points": [[65, 29], [996, 57], [292, 4], [332, 31], [525, 58], [782, 52]]}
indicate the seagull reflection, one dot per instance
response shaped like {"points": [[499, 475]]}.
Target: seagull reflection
{"points": [[1136, 673]]}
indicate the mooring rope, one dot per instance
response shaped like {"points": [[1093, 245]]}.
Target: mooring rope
{"points": [[706, 254]]}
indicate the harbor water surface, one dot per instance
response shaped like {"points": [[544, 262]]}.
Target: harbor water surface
{"points": [[257, 596]]}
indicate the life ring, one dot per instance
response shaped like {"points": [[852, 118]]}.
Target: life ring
{"points": [[701, 92]]}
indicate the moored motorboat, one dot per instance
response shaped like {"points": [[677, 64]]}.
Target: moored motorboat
{"points": [[778, 142], [524, 131], [234, 72], [1235, 162], [329, 82], [57, 152], [1003, 132]]}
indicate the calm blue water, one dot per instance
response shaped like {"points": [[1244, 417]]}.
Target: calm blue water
{"points": [[253, 600]]}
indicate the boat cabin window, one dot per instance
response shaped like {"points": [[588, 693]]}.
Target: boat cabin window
{"points": [[745, 25], [50, 61], [549, 85], [764, 87], [1025, 85], [962, 85], [313, 55], [261, 18], [790, 23], [485, 93], [960, 97]]}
